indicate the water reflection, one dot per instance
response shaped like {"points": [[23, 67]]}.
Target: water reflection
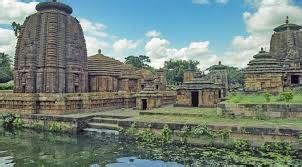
{"points": [[28, 148]]}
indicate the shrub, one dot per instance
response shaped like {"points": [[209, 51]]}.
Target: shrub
{"points": [[242, 145], [166, 134], [11, 120], [286, 96], [7, 86], [57, 127], [201, 130], [279, 147], [267, 97]]}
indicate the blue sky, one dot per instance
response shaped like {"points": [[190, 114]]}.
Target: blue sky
{"points": [[231, 31]]}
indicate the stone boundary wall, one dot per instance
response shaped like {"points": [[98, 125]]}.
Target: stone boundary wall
{"points": [[266, 110], [251, 130], [58, 104], [168, 97]]}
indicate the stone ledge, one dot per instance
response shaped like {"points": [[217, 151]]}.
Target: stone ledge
{"points": [[252, 130]]}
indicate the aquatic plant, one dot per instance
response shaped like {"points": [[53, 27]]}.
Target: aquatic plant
{"points": [[166, 135], [12, 120], [57, 127]]}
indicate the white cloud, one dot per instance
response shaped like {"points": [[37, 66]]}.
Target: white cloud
{"points": [[153, 33], [93, 29], [260, 24], [13, 10], [10, 11], [95, 35], [159, 51], [7, 41], [123, 45]]}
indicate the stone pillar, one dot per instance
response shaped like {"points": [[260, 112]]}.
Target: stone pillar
{"points": [[125, 85]]}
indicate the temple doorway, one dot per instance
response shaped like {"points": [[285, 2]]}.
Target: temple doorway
{"points": [[195, 99], [144, 104], [295, 79]]}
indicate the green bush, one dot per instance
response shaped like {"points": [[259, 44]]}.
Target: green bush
{"points": [[7, 86], [166, 135], [286, 96], [11, 120], [57, 127], [279, 147], [267, 97], [242, 145]]}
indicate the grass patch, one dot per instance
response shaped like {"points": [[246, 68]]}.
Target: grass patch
{"points": [[211, 116], [262, 98]]}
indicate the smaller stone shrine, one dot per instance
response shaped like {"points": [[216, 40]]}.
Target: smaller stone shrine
{"points": [[263, 73], [198, 92], [148, 99]]}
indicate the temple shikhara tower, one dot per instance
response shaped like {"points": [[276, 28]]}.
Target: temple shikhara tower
{"points": [[51, 55]]}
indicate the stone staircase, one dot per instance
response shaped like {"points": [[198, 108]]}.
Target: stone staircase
{"points": [[106, 122]]}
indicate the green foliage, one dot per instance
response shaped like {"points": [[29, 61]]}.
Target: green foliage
{"points": [[279, 147], [6, 73], [17, 28], [139, 62], [267, 97], [286, 96], [175, 70], [166, 135], [11, 120], [147, 135], [184, 134], [242, 145], [7, 86], [201, 130], [57, 127], [132, 130], [234, 98], [224, 134]]}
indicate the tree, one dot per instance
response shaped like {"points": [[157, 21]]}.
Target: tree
{"points": [[139, 62], [17, 28], [175, 69], [6, 73]]}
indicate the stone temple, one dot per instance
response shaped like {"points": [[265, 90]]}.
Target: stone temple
{"points": [[53, 74], [281, 67], [51, 54]]}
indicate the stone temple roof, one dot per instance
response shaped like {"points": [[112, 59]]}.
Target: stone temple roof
{"points": [[263, 63], [199, 83], [287, 26], [107, 66], [54, 5]]}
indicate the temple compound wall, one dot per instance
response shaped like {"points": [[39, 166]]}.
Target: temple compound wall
{"points": [[59, 104]]}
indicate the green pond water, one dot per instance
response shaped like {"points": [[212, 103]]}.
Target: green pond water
{"points": [[31, 148]]}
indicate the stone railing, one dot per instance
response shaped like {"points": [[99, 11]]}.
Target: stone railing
{"points": [[263, 110]]}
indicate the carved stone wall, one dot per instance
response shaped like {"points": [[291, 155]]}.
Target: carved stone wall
{"points": [[206, 97], [58, 104], [261, 82], [51, 55]]}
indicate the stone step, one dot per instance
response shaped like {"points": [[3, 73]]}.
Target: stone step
{"points": [[112, 116], [105, 120], [103, 126]]}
